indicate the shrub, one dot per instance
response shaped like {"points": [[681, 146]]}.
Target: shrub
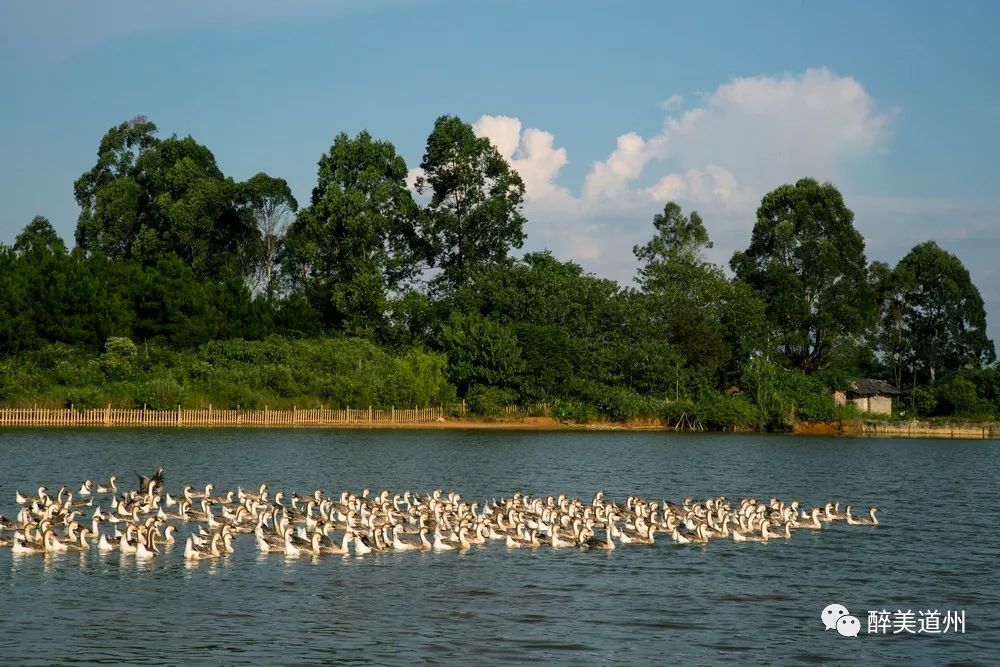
{"points": [[957, 398], [726, 412], [118, 360], [573, 411], [924, 400], [84, 397], [489, 401], [160, 394], [674, 412]]}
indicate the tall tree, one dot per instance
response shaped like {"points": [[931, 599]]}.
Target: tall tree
{"points": [[713, 322], [356, 244], [943, 313], [147, 199], [892, 339], [474, 215], [272, 204], [39, 237], [807, 261]]}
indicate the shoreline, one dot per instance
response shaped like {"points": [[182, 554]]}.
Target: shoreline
{"points": [[279, 419]]}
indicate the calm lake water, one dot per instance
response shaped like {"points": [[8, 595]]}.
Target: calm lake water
{"points": [[751, 603]]}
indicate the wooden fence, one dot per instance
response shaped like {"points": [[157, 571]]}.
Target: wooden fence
{"points": [[109, 416]]}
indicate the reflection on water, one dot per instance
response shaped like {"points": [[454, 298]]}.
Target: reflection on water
{"points": [[666, 603]]}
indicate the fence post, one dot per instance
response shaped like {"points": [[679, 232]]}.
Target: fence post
{"points": [[463, 407], [295, 415], [392, 415], [178, 414]]}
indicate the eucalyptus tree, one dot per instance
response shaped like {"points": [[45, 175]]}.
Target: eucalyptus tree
{"points": [[39, 237], [356, 244], [714, 323], [474, 215], [807, 262], [942, 312], [272, 205], [146, 199]]}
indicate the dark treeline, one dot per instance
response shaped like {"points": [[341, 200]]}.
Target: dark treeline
{"points": [[188, 287]]}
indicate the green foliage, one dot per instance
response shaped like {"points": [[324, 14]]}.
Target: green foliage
{"points": [[39, 239], [783, 396], [710, 320], [146, 199], [474, 215], [480, 351], [574, 411], [184, 288], [807, 262], [957, 397], [271, 203], [942, 314], [160, 394], [356, 244], [924, 401], [717, 411], [277, 372], [119, 358], [489, 401]]}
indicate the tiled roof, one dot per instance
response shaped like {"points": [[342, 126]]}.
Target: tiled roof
{"points": [[873, 387]]}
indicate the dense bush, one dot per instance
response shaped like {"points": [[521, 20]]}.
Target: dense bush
{"points": [[275, 372], [726, 412], [958, 398], [489, 401]]}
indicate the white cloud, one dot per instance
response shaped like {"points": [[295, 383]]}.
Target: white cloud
{"points": [[741, 140], [531, 152], [769, 130], [672, 103], [609, 178]]}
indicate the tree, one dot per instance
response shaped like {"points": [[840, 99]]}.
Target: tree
{"points": [[39, 237], [355, 245], [147, 199], [474, 215], [943, 313], [593, 313], [807, 262], [271, 204], [892, 339], [715, 324], [480, 351]]}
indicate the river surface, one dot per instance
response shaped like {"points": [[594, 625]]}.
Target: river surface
{"points": [[937, 549]]}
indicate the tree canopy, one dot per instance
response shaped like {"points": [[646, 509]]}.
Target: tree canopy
{"points": [[187, 286], [147, 197], [356, 243], [942, 313], [807, 262], [474, 215]]}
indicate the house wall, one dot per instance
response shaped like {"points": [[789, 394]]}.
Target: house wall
{"points": [[861, 402], [880, 405], [839, 398]]}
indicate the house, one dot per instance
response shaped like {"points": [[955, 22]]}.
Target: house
{"points": [[872, 396]]}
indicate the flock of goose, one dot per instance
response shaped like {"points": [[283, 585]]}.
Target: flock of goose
{"points": [[139, 521]]}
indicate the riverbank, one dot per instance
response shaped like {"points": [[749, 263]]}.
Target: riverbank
{"points": [[913, 429], [431, 418]]}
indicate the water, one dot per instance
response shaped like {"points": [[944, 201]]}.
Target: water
{"points": [[752, 603]]}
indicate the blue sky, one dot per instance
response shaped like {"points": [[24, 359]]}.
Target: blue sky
{"points": [[607, 108]]}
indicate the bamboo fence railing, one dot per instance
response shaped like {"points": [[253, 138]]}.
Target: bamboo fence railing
{"points": [[139, 417]]}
